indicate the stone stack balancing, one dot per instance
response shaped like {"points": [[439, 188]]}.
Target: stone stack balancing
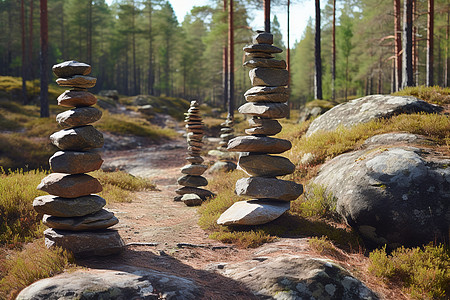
{"points": [[190, 193], [265, 104], [226, 134], [75, 214]]}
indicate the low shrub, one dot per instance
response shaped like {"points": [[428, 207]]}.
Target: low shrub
{"points": [[323, 246], [423, 272], [317, 202]]}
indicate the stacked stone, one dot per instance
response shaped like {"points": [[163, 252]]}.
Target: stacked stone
{"points": [[190, 193], [73, 212], [226, 133], [266, 103]]}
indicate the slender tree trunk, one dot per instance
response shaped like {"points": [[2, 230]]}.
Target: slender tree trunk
{"points": [[397, 45], [133, 37], [230, 61], [317, 56], [408, 76], [167, 68], [89, 33], [447, 58], [225, 66], [380, 81], [346, 78], [415, 42], [30, 43], [430, 43], [24, 60], [266, 4], [151, 72], [125, 77], [333, 54], [288, 55], [45, 113], [62, 37], [9, 46]]}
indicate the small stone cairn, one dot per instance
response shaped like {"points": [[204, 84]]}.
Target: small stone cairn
{"points": [[226, 133], [73, 212], [226, 162], [265, 103], [190, 193]]}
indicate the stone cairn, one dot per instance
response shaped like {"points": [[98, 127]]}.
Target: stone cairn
{"points": [[190, 193], [73, 212], [226, 133], [226, 160], [265, 103]]}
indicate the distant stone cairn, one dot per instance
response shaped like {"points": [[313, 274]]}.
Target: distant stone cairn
{"points": [[190, 193], [266, 102], [75, 214]]}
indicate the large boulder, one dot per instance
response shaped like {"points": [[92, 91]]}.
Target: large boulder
{"points": [[367, 108], [131, 283], [394, 193], [297, 277]]}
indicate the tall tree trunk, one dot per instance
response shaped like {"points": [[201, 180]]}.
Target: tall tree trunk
{"points": [[430, 43], [24, 60], [380, 81], [333, 54], [230, 61], [62, 37], [447, 57], [151, 72], [30, 43], [89, 33], [415, 41], [317, 56], [45, 113], [397, 45], [288, 55], [408, 76], [266, 4], [225, 66], [133, 37]]}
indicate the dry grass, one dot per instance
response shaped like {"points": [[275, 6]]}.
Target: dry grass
{"points": [[433, 94]]}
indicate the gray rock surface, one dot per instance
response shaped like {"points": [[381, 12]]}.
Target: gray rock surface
{"points": [[75, 98], [266, 165], [292, 277], [262, 48], [259, 144], [265, 110], [98, 220], [70, 186], [192, 181], [68, 207], [191, 199], [129, 283], [78, 138], [263, 38], [253, 212], [85, 243], [265, 63], [367, 108], [262, 90], [273, 188], [195, 170], [79, 116], [79, 81], [280, 97], [259, 55], [70, 68], [263, 126], [74, 162], [204, 194], [392, 194], [268, 77]]}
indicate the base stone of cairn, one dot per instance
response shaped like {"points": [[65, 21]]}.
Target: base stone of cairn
{"points": [[226, 159], [75, 216], [265, 104], [191, 193]]}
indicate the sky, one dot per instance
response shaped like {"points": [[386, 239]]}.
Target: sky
{"points": [[299, 15]]}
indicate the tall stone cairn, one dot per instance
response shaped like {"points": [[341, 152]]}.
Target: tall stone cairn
{"points": [[76, 217], [190, 193], [266, 102]]}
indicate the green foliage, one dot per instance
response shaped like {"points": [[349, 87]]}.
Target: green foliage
{"points": [[118, 185], [323, 246], [423, 272], [19, 222], [317, 202], [433, 94], [18, 269]]}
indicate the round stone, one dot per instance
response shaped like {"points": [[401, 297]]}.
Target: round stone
{"points": [[71, 68], [263, 38], [195, 170], [266, 165], [70, 186], [78, 138], [259, 55], [273, 188], [191, 199], [268, 77], [281, 97], [195, 159], [266, 48], [98, 220], [259, 90], [75, 162], [265, 63], [258, 144], [265, 110], [79, 81], [79, 116], [202, 193], [192, 181], [68, 207], [76, 98]]}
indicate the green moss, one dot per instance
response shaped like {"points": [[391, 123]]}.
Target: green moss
{"points": [[320, 103], [433, 94]]}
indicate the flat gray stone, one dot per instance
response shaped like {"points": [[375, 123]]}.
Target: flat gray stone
{"points": [[266, 48], [193, 136], [265, 110], [195, 159], [78, 138], [79, 116], [253, 212], [196, 170], [75, 98], [263, 38], [101, 219], [266, 165], [192, 181], [68, 207], [268, 98], [258, 55], [261, 90], [191, 199], [268, 77], [75, 162], [78, 81], [70, 186], [258, 144], [202, 193], [120, 283], [273, 188], [265, 63], [101, 242], [71, 68], [222, 166], [194, 143], [263, 126]]}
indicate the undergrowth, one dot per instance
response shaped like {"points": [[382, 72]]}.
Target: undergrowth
{"points": [[432, 94], [424, 272], [21, 268]]}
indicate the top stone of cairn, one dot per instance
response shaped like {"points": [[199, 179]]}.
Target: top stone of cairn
{"points": [[263, 37], [71, 68]]}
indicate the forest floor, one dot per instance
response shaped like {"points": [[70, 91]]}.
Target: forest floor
{"points": [[164, 235]]}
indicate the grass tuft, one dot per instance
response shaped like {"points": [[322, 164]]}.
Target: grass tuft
{"points": [[316, 202], [323, 246], [433, 94], [424, 272]]}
